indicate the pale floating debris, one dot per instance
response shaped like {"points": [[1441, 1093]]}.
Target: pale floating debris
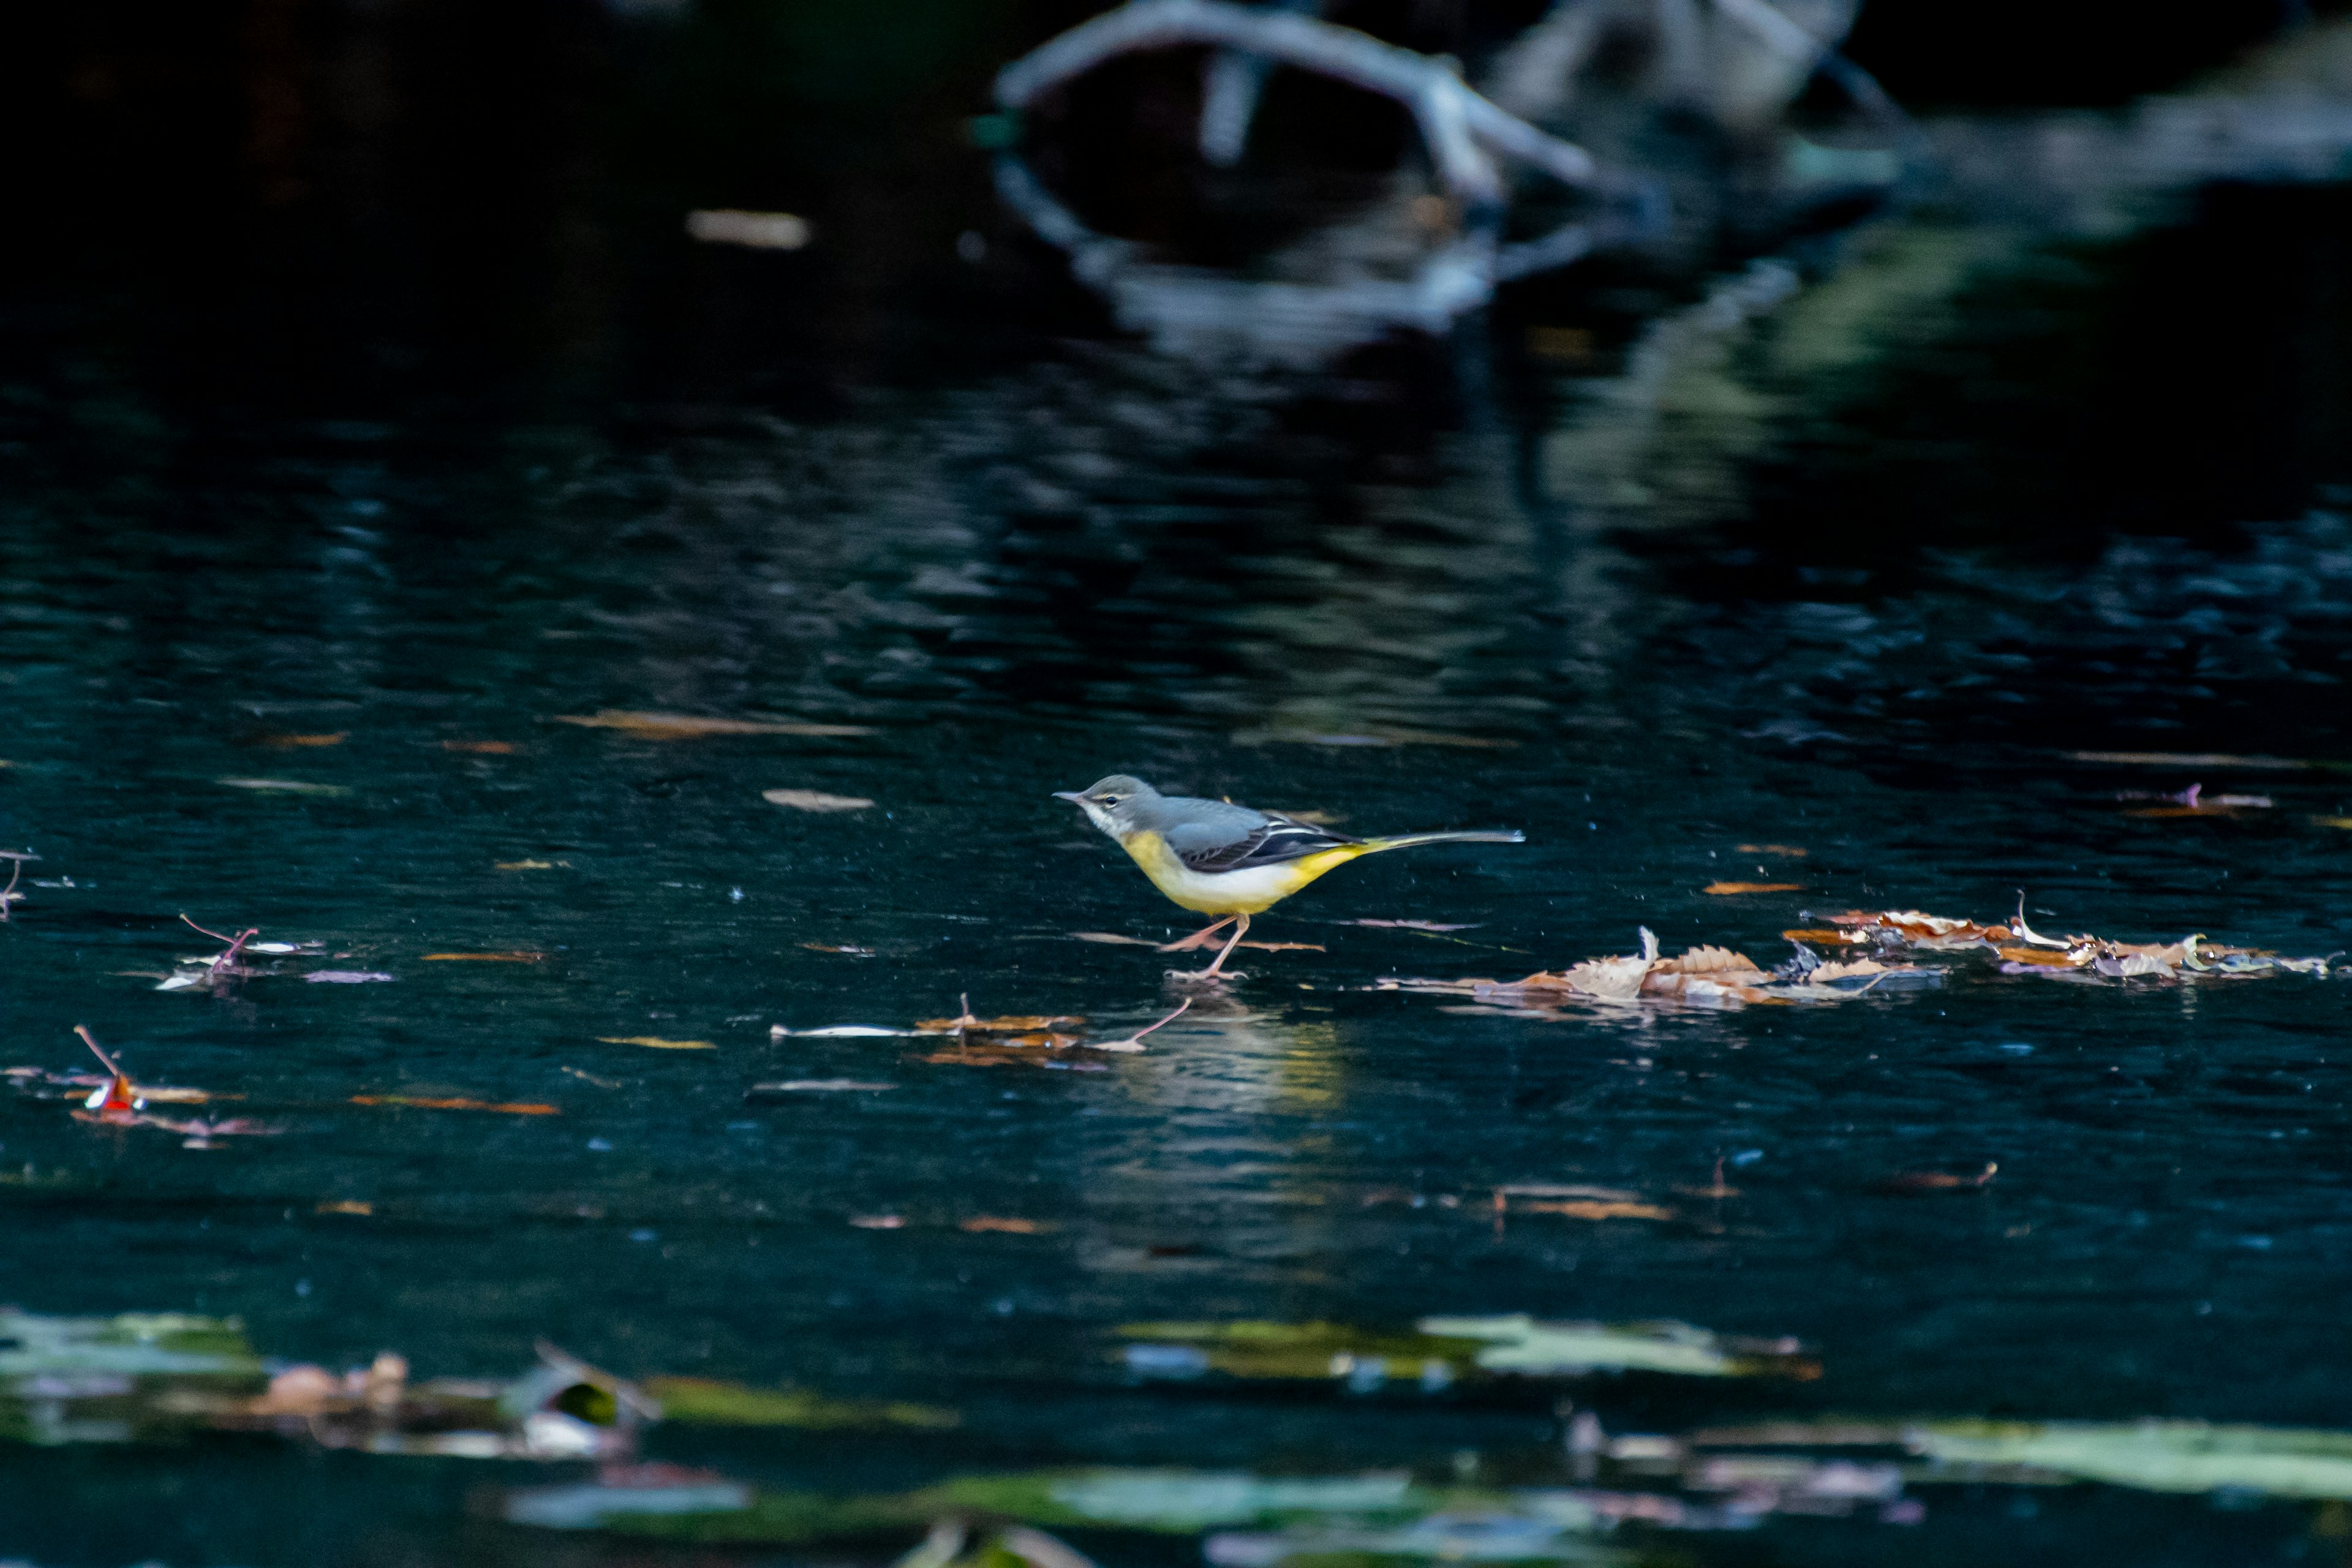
{"points": [[1443, 1350], [1516, 1342], [335, 977], [530, 865], [2154, 1455], [840, 1032], [1112, 939], [2201, 759], [284, 786], [818, 1086], [877, 1222], [686, 726], [656, 1043], [587, 1505], [513, 955], [1385, 736], [814, 800], [754, 230]]}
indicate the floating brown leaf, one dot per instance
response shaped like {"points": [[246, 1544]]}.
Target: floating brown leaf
{"points": [[1847, 969], [689, 726], [1789, 849], [1918, 928], [981, 1224], [1704, 960], [2045, 958], [1581, 1208], [485, 748], [656, 1043], [342, 1206], [336, 739], [1725, 889], [455, 1103], [1936, 1181], [1021, 1025]]}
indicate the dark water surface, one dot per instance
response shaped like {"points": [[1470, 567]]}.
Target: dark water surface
{"points": [[1856, 585]]}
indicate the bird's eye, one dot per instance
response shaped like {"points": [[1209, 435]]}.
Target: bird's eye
{"points": [[1112, 799]]}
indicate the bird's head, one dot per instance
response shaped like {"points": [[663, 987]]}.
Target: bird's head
{"points": [[1114, 804]]}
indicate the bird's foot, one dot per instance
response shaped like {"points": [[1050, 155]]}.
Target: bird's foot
{"points": [[1203, 978]]}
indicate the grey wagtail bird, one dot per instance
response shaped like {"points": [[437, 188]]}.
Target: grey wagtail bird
{"points": [[1218, 859]]}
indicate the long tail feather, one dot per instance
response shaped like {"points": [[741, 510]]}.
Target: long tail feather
{"points": [[1411, 840]]}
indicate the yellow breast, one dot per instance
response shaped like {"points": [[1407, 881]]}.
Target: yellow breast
{"points": [[1245, 892]]}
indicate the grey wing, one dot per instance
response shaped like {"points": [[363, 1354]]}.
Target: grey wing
{"points": [[1218, 846]]}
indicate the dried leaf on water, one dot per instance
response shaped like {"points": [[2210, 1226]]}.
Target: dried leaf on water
{"points": [[1789, 849], [1703, 975], [1937, 1181], [1725, 889], [483, 748], [979, 1224], [422, 1102], [656, 1042], [1914, 928], [813, 800], [335, 738], [653, 726], [1017, 1024], [342, 1206]]}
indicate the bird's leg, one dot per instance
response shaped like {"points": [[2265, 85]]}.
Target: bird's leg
{"points": [[1216, 971], [1200, 938], [1240, 932]]}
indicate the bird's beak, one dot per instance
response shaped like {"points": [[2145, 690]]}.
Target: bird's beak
{"points": [[1075, 797]]}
